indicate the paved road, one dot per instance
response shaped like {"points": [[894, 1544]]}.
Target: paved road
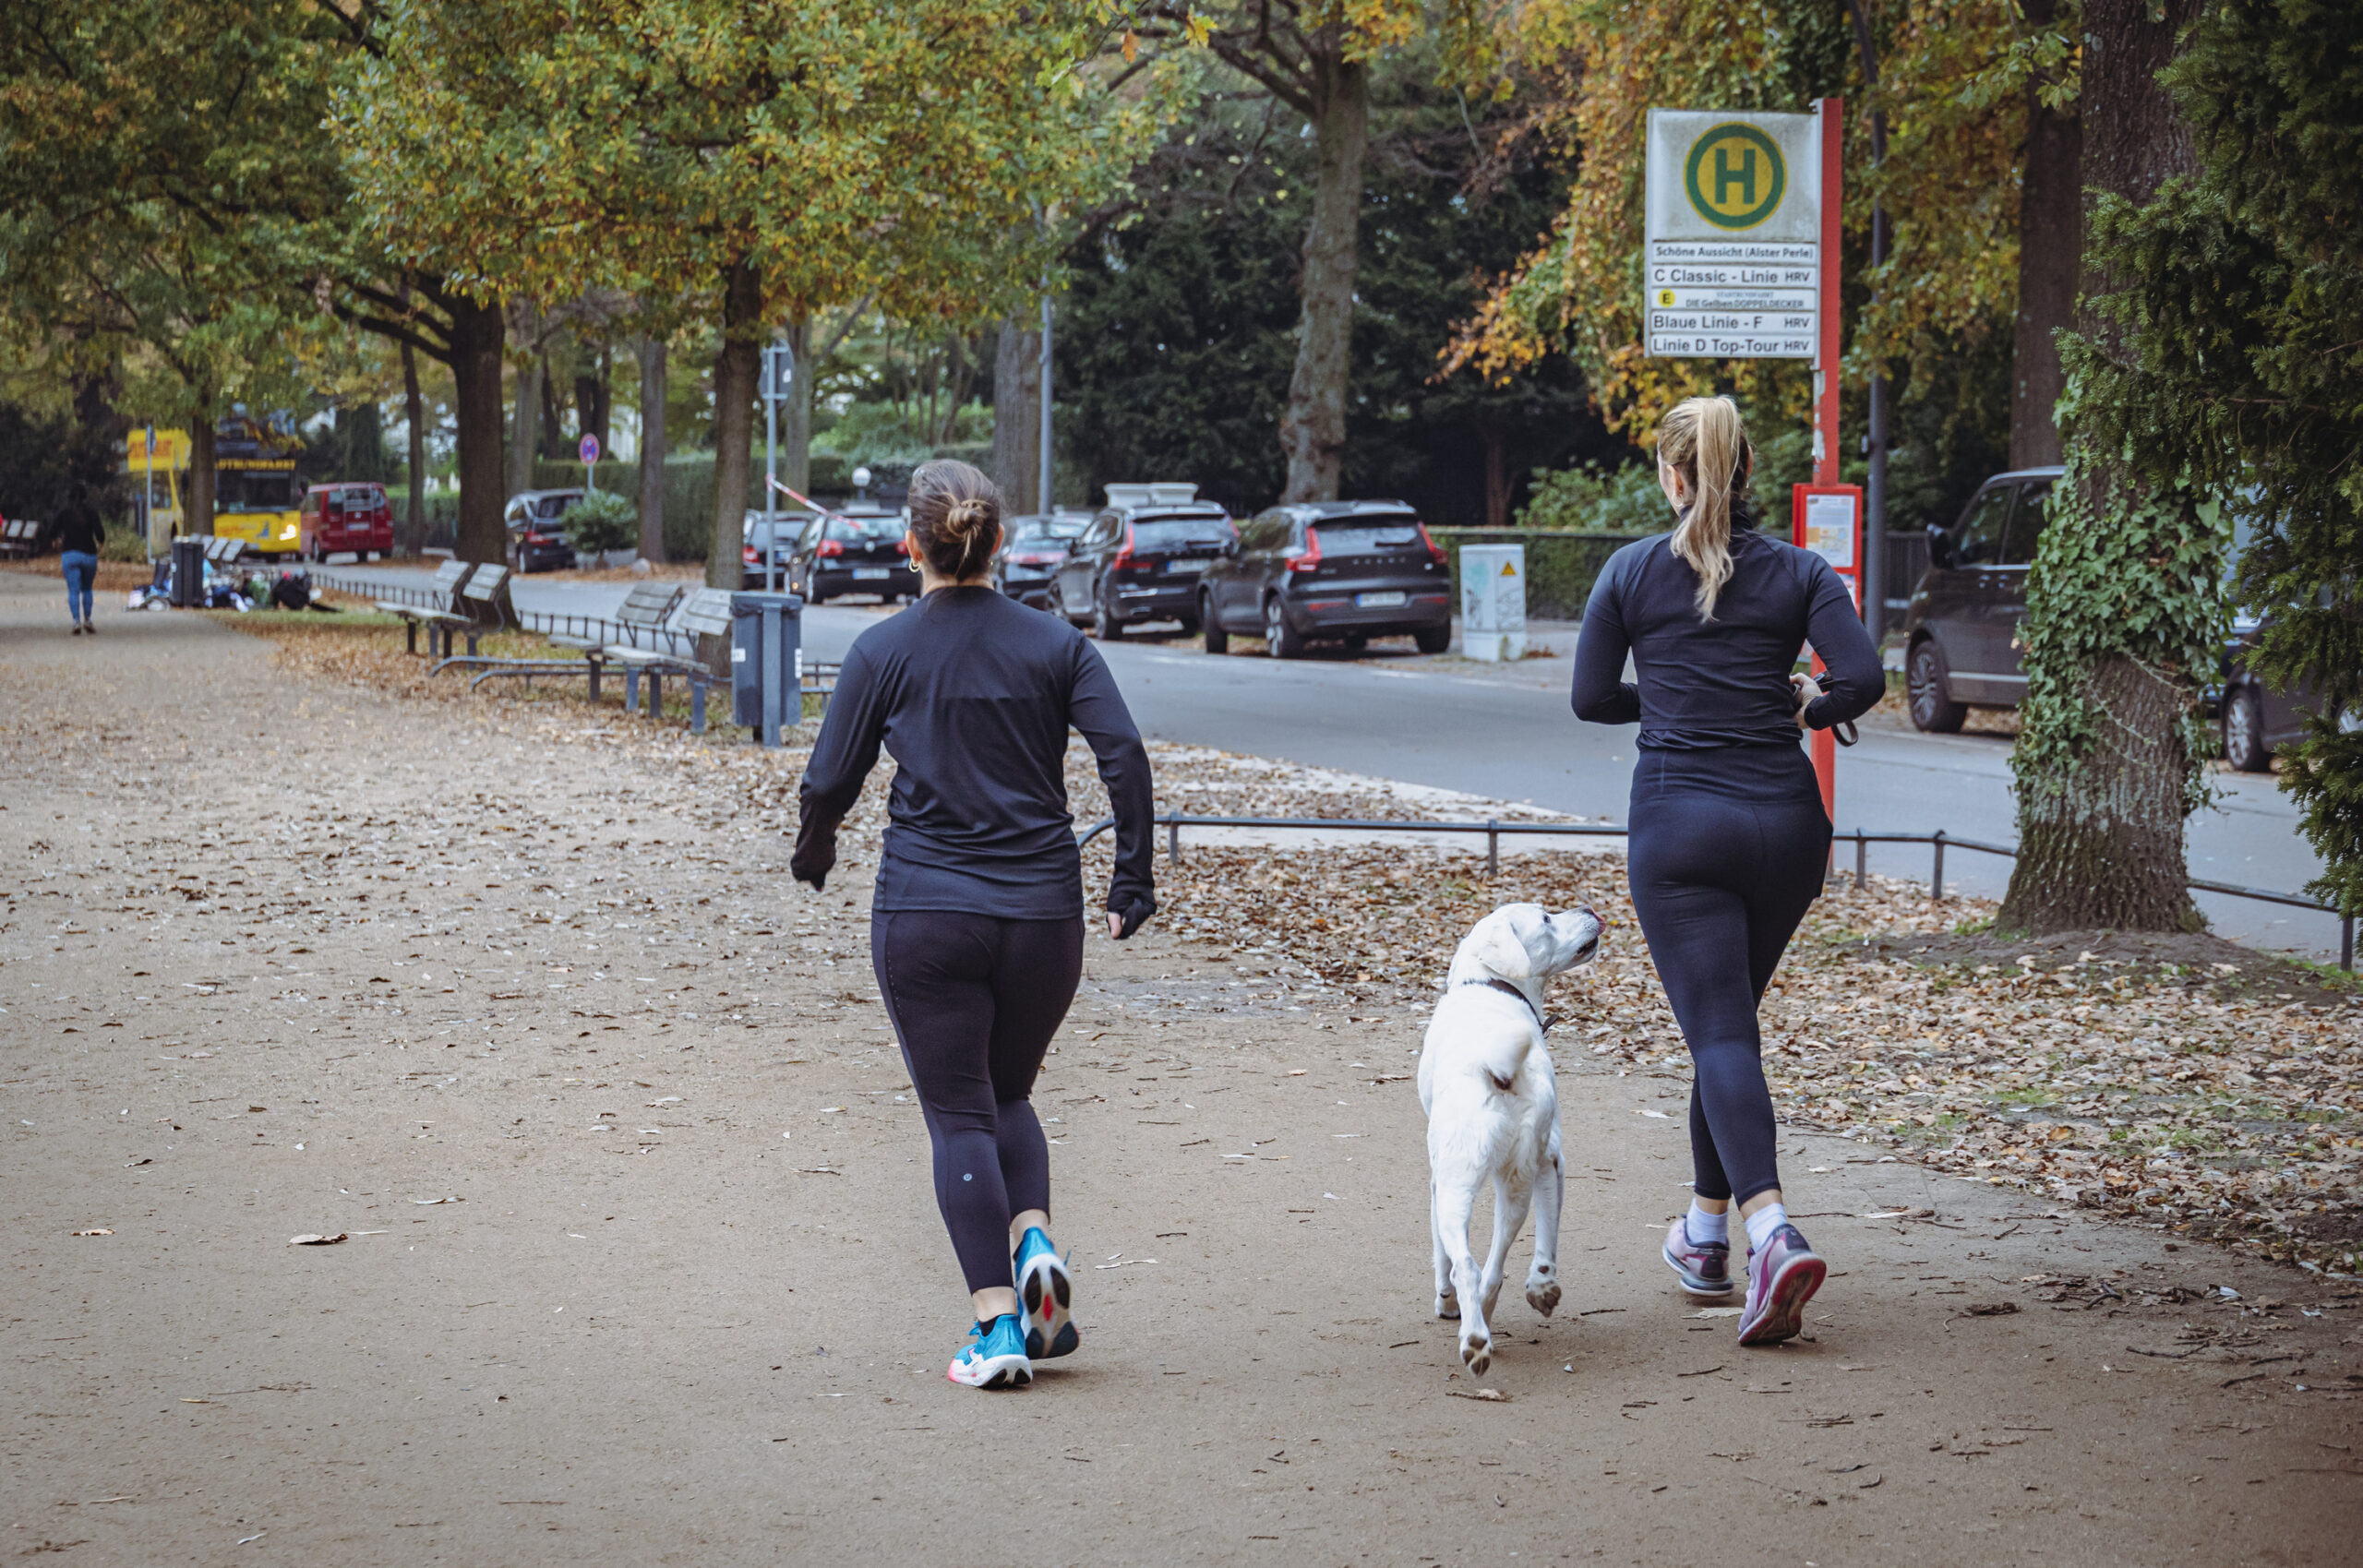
{"points": [[1507, 733]]}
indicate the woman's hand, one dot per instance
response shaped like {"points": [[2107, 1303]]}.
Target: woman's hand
{"points": [[1124, 922], [1804, 690]]}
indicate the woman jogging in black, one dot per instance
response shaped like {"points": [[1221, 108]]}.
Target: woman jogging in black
{"points": [[1729, 843], [81, 535], [977, 927]]}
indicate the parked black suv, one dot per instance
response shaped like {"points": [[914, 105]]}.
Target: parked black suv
{"points": [[1961, 630], [1031, 549], [1330, 570], [858, 550], [536, 521], [1141, 558]]}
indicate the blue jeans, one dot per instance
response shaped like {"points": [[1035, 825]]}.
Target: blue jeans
{"points": [[81, 571]]}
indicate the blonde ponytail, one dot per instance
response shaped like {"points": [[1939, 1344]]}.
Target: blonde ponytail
{"points": [[1702, 440]]}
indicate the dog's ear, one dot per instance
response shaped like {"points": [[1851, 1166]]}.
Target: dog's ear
{"points": [[1502, 949]]}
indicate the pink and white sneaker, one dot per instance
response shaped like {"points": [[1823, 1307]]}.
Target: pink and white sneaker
{"points": [[1704, 1267], [1782, 1278]]}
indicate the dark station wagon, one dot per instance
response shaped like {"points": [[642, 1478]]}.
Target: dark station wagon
{"points": [[1330, 571], [1141, 558], [1960, 630]]}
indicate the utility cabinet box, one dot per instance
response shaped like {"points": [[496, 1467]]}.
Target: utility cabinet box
{"points": [[766, 663], [1493, 602]]}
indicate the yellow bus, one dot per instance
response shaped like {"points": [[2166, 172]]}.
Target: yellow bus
{"points": [[256, 492]]}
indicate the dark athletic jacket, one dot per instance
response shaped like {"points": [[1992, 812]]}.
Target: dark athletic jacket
{"points": [[972, 693], [1724, 682]]}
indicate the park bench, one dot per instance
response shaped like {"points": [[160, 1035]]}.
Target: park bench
{"points": [[441, 617], [19, 536], [703, 612], [223, 552], [642, 620]]}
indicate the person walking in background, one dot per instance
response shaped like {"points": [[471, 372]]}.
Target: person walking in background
{"points": [[80, 532], [976, 928], [1730, 844]]}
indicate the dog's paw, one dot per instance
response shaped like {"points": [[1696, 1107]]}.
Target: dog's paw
{"points": [[1542, 1294], [1447, 1305], [1477, 1355]]}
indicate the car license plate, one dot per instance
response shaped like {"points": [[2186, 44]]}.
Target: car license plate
{"points": [[873, 571], [1187, 566], [1378, 601]]}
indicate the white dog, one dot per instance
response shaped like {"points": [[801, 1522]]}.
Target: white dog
{"points": [[1493, 1108]]}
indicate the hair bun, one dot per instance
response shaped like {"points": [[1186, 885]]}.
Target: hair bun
{"points": [[963, 518]]}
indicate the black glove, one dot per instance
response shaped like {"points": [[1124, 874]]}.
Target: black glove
{"points": [[1132, 912], [815, 856]]}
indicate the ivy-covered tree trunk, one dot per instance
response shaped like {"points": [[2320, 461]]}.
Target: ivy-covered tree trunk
{"points": [[735, 368], [1312, 431], [2051, 245], [2123, 599], [652, 447]]}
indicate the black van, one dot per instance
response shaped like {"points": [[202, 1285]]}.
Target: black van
{"points": [[1961, 630]]}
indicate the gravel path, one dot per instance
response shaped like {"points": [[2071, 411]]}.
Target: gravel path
{"points": [[641, 1264]]}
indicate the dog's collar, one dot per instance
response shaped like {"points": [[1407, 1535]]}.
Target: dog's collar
{"points": [[1505, 987]]}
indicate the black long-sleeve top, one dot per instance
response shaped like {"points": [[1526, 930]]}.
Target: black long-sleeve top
{"points": [[79, 527], [973, 694], [1724, 682]]}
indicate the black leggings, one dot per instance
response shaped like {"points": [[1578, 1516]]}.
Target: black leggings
{"points": [[1721, 881], [975, 1001]]}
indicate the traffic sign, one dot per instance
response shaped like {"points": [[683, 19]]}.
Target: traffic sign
{"points": [[589, 449], [1732, 265], [779, 371]]}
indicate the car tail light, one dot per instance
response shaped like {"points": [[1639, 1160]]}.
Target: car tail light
{"points": [[1435, 551], [1308, 558], [828, 547], [902, 546], [1036, 560], [749, 555], [1124, 560]]}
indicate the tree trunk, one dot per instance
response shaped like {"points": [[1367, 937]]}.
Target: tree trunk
{"points": [[413, 535], [523, 442], [1497, 477], [2051, 249], [2101, 834], [796, 417], [652, 449], [553, 446], [1018, 418], [478, 336], [593, 401], [735, 368], [201, 472], [1312, 431]]}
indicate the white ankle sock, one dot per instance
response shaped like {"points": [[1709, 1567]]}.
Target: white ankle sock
{"points": [[1763, 1223], [1704, 1227]]}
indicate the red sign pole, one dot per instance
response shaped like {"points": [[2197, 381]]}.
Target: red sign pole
{"points": [[1825, 395]]}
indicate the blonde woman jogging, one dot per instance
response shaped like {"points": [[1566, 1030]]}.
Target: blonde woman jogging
{"points": [[1730, 843], [975, 930]]}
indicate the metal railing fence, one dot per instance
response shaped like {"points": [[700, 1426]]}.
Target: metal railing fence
{"points": [[1174, 821]]}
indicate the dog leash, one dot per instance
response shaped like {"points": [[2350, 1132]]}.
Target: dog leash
{"points": [[1505, 986]]}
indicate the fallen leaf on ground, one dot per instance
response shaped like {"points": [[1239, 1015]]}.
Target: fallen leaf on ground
{"points": [[308, 1240]]}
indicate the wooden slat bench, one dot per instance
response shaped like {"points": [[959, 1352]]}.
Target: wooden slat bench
{"points": [[441, 619]]}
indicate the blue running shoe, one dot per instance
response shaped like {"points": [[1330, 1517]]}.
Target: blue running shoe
{"points": [[1048, 1296], [998, 1357]]}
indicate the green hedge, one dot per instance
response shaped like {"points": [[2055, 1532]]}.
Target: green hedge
{"points": [[1560, 567]]}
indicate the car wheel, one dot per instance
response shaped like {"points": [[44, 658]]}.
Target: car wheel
{"points": [[1218, 640], [1104, 624], [1933, 709], [1279, 638], [2244, 746], [1432, 639]]}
